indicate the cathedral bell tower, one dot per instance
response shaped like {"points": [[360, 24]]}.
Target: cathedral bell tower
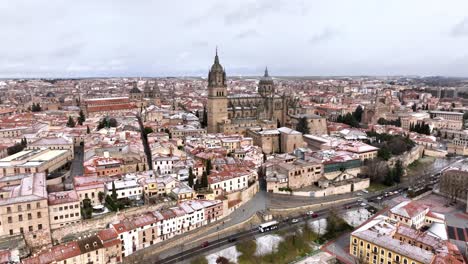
{"points": [[217, 96], [265, 86]]}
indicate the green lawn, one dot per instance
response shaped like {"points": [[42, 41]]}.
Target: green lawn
{"points": [[375, 187]]}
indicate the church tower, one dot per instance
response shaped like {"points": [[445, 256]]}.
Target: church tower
{"points": [[217, 96], [265, 86]]}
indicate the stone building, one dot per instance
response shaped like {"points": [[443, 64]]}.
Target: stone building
{"points": [[317, 124], [24, 210], [381, 107], [150, 95], [237, 113], [64, 208]]}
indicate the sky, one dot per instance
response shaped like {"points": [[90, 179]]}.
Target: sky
{"points": [[89, 38]]}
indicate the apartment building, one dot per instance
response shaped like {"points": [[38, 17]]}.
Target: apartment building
{"points": [[456, 116], [89, 187], [292, 175], [64, 208], [16, 132], [104, 166], [91, 249], [56, 143], [228, 181], [35, 161], [409, 214], [136, 233], [126, 188], [25, 210]]}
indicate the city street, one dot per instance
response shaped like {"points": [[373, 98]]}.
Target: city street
{"points": [[76, 168]]}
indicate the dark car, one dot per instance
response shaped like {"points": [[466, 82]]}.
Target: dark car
{"points": [[232, 239], [205, 244]]}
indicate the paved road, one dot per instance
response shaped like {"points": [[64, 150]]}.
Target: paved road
{"points": [[244, 235], [77, 163], [76, 168]]}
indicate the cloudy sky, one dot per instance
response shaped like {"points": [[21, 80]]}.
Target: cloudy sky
{"points": [[49, 38]]}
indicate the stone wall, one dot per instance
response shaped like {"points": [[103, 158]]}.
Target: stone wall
{"points": [[343, 188], [408, 157], [71, 232], [437, 153]]}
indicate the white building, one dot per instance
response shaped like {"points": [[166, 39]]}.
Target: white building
{"points": [[128, 187]]}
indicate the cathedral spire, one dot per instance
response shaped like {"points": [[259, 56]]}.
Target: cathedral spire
{"points": [[216, 60], [266, 72]]}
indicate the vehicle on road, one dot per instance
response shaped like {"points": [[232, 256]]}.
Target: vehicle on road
{"points": [[363, 204], [205, 244], [359, 194], [365, 191], [312, 214], [232, 239], [268, 226], [294, 221], [360, 200], [379, 198]]}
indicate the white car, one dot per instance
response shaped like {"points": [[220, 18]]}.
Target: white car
{"points": [[363, 204], [310, 213], [295, 220], [359, 194]]}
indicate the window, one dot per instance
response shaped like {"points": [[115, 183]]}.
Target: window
{"points": [[20, 218], [28, 206], [39, 226], [29, 216], [10, 220], [39, 215]]}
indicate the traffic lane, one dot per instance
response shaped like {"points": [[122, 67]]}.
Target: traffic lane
{"points": [[207, 246]]}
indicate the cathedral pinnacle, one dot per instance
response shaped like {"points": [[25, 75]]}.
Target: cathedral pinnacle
{"points": [[266, 72], [216, 60]]}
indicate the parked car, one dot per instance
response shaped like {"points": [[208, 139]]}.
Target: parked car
{"points": [[205, 244], [232, 239], [310, 213], [294, 221], [363, 204]]}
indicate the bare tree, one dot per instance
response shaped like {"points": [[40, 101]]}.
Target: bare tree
{"points": [[376, 169]]}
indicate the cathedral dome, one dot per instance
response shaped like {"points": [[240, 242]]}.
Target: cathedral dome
{"points": [[135, 89], [217, 75], [266, 79]]}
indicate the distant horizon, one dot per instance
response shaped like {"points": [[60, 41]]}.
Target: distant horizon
{"points": [[232, 76]]}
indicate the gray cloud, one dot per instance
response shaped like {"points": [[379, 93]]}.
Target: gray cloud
{"points": [[323, 36], [249, 33], [251, 10], [460, 29], [158, 38]]}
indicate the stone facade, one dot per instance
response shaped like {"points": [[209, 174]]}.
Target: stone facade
{"points": [[231, 114]]}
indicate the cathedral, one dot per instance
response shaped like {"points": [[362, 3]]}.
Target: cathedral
{"points": [[231, 114], [151, 93]]}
